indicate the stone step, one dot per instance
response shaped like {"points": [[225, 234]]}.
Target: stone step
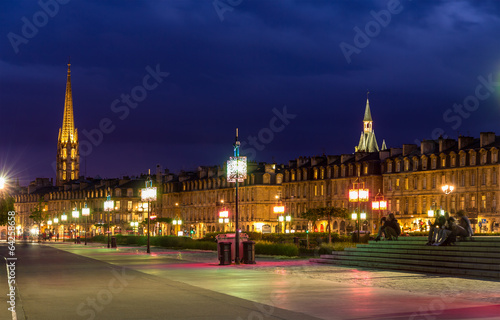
{"points": [[422, 257], [425, 251], [430, 263], [479, 248], [413, 268]]}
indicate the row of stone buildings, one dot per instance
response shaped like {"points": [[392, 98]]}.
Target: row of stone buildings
{"points": [[408, 178]]}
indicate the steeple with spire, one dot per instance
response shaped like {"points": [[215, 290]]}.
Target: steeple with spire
{"points": [[68, 156], [367, 141]]}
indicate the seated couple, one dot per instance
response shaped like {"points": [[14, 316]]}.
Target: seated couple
{"points": [[389, 228], [445, 229]]}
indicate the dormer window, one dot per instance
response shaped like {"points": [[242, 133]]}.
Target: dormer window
{"points": [[453, 161], [398, 166], [433, 163], [389, 167]]}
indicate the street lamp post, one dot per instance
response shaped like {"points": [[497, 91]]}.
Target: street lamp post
{"points": [[447, 189], [108, 207], [56, 221], [86, 213], [236, 172], [224, 219], [358, 194], [379, 205], [279, 210], [148, 194], [75, 214], [64, 218]]}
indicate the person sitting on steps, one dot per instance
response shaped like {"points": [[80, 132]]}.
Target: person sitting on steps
{"points": [[383, 222], [466, 228], [390, 228]]}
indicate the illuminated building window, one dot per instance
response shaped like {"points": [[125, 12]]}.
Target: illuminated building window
{"points": [[406, 184], [315, 190], [117, 204], [72, 166], [322, 173], [73, 153], [64, 165], [473, 201], [407, 165], [315, 173], [322, 190], [483, 202], [129, 205], [64, 175], [72, 176], [366, 169], [443, 162]]}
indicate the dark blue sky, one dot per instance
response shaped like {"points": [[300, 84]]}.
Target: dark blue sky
{"points": [[231, 66]]}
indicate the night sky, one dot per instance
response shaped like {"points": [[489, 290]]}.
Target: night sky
{"points": [[217, 65]]}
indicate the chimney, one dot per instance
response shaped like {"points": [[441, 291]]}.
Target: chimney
{"points": [[345, 157], [408, 148], [383, 154], [464, 142], [486, 138], [395, 151], [445, 144], [427, 146]]}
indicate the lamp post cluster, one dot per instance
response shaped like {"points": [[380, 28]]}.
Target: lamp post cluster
{"points": [[236, 172], [358, 194], [108, 207], [379, 204], [148, 194]]}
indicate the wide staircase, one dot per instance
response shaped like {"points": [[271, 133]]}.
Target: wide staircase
{"points": [[479, 257]]}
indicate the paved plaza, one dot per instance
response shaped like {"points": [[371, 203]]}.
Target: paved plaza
{"points": [[67, 281]]}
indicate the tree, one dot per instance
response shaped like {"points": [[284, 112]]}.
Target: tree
{"points": [[37, 215], [6, 205], [326, 213]]}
